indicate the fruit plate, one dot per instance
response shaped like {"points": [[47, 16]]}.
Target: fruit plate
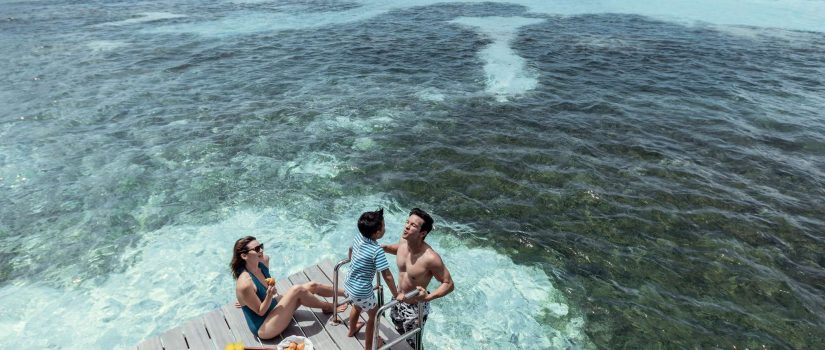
{"points": [[284, 344]]}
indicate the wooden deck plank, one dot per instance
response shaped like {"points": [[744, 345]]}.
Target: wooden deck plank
{"points": [[308, 321], [215, 329], [173, 339], [386, 329], [338, 333], [151, 344], [237, 325], [196, 336], [218, 329]]}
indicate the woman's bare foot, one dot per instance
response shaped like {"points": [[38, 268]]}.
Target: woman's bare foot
{"points": [[328, 310], [354, 331]]}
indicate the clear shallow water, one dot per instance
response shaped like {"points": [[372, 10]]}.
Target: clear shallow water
{"points": [[600, 180]]}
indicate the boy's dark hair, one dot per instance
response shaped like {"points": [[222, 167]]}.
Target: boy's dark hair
{"points": [[428, 220], [370, 222]]}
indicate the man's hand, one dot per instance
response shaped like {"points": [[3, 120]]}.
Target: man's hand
{"points": [[422, 293]]}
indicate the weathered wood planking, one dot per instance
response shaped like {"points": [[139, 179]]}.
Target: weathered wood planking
{"points": [[237, 325], [215, 329], [196, 336]]}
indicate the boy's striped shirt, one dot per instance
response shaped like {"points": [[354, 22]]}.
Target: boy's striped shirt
{"points": [[367, 258]]}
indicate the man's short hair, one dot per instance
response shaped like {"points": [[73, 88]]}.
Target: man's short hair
{"points": [[370, 222], [428, 220]]}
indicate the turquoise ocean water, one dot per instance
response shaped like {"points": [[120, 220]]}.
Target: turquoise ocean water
{"points": [[603, 174]]}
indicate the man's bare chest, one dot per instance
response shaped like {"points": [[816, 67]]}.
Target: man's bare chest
{"points": [[415, 268]]}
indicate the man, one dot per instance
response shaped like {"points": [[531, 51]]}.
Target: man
{"points": [[417, 263]]}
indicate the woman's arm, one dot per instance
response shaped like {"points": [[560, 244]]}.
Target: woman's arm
{"points": [[245, 290]]}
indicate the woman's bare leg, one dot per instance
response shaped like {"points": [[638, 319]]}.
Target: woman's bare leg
{"points": [[280, 317], [323, 290], [308, 299]]}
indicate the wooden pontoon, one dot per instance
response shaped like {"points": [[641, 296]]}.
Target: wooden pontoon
{"points": [[216, 329]]}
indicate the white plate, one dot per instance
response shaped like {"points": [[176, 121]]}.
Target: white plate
{"points": [[296, 339]]}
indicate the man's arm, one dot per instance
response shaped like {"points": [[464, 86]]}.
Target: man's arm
{"points": [[390, 248], [441, 274]]}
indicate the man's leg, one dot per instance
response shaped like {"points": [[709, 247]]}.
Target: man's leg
{"points": [[405, 318]]}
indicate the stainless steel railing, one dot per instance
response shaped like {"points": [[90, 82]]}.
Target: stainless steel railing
{"points": [[335, 319], [414, 332]]}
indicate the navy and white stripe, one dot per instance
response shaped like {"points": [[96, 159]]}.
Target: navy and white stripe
{"points": [[367, 258]]}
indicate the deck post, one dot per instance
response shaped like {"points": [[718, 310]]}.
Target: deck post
{"points": [[411, 333], [336, 320], [380, 289], [419, 336]]}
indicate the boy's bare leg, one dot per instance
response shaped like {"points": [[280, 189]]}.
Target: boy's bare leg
{"points": [[371, 316], [354, 323]]}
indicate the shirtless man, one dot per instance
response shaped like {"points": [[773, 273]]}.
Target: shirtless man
{"points": [[417, 263]]}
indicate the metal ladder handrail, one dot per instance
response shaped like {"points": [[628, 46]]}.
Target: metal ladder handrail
{"points": [[410, 333], [337, 320]]}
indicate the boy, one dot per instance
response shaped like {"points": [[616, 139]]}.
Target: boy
{"points": [[367, 258]]}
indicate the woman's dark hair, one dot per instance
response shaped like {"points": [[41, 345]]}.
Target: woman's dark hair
{"points": [[370, 222], [240, 248], [428, 220]]}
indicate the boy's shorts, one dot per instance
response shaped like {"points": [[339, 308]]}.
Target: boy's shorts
{"points": [[365, 303]]}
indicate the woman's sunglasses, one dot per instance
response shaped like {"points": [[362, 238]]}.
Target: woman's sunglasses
{"points": [[258, 249]]}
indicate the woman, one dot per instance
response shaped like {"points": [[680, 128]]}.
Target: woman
{"points": [[266, 315]]}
